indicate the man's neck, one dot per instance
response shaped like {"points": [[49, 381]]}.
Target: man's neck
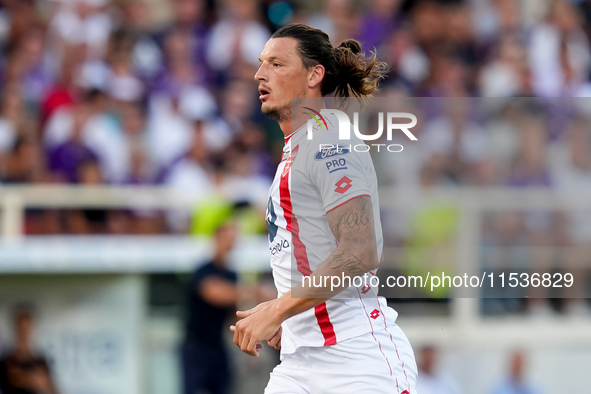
{"points": [[285, 127], [299, 114]]}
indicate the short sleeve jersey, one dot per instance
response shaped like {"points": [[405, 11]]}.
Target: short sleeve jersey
{"points": [[314, 177]]}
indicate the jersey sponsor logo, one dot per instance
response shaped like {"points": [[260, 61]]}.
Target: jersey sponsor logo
{"points": [[343, 185], [330, 151], [290, 160], [374, 314], [336, 165], [405, 392], [279, 246]]}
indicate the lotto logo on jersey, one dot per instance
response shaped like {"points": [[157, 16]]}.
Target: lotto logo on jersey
{"points": [[374, 314], [343, 185]]}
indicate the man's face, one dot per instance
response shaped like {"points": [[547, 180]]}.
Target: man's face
{"points": [[281, 77]]}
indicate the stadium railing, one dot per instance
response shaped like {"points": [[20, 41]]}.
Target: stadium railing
{"points": [[20, 254]]}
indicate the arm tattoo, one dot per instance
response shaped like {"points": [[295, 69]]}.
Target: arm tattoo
{"points": [[349, 263], [354, 219]]}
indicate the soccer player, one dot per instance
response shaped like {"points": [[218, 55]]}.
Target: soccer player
{"points": [[322, 224]]}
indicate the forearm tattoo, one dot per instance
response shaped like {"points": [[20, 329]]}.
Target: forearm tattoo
{"points": [[349, 263], [353, 226]]}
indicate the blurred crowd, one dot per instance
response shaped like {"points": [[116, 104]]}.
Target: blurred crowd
{"points": [[161, 92]]}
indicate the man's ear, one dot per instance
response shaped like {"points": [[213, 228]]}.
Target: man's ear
{"points": [[316, 76]]}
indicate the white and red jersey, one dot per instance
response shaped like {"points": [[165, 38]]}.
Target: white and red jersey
{"points": [[309, 183]]}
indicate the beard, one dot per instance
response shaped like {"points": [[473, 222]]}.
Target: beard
{"points": [[282, 114], [278, 114]]}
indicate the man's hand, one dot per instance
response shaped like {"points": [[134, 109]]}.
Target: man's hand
{"points": [[275, 341], [261, 323]]}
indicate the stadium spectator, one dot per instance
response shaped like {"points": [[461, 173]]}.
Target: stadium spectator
{"points": [[64, 91], [337, 18], [11, 117], [23, 163], [572, 172], [192, 174], [193, 18], [24, 369], [494, 19], [174, 108], [66, 157], [179, 68], [530, 168], [516, 381], [236, 40], [28, 69], [137, 25], [242, 183], [214, 293], [140, 170], [409, 64], [120, 82], [431, 381], [559, 52], [252, 139], [508, 73], [457, 141], [82, 23], [382, 19], [16, 18]]}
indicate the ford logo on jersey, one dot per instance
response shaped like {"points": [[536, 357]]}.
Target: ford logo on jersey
{"points": [[332, 151]]}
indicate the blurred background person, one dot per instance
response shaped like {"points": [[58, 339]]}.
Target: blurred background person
{"points": [[24, 369], [559, 52], [516, 382], [214, 293], [430, 380], [235, 39]]}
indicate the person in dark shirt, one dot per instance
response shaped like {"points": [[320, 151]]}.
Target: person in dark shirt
{"points": [[22, 370], [214, 293]]}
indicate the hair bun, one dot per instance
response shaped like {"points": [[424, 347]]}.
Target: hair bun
{"points": [[353, 45]]}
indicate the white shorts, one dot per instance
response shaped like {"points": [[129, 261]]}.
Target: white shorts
{"points": [[374, 363]]}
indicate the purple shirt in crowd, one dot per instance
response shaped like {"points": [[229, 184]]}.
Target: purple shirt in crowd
{"points": [[66, 158]]}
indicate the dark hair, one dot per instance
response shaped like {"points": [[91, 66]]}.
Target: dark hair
{"points": [[348, 71]]}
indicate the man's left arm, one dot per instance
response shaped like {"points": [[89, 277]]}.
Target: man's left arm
{"points": [[352, 224]]}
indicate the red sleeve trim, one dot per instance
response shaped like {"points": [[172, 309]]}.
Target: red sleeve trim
{"points": [[343, 203]]}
